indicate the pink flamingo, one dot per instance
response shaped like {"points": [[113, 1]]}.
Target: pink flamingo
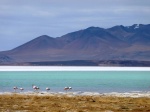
{"points": [[21, 89], [15, 88], [35, 87], [66, 89], [70, 88], [47, 89]]}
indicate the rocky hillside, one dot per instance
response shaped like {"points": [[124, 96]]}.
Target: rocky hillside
{"points": [[94, 43]]}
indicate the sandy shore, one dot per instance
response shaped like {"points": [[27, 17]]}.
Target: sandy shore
{"points": [[74, 102]]}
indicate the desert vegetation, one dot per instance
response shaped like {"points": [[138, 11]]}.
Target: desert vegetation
{"points": [[65, 103]]}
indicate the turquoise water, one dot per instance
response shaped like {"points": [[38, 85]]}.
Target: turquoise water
{"points": [[91, 81]]}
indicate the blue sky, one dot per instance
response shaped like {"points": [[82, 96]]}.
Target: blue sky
{"points": [[24, 20]]}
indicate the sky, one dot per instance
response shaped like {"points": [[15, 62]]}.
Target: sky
{"points": [[24, 20]]}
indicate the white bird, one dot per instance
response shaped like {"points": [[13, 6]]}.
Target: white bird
{"points": [[70, 88], [35, 87], [15, 88], [47, 89], [21, 89], [66, 89]]}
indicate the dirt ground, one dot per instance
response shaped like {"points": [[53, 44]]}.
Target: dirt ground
{"points": [[64, 103]]}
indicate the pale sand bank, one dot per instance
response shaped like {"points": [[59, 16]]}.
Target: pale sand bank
{"points": [[114, 94], [71, 68]]}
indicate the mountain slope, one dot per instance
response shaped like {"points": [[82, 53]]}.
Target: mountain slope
{"points": [[43, 42], [92, 38], [136, 33], [93, 43]]}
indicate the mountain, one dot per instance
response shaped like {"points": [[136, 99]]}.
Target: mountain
{"points": [[93, 43], [41, 43], [132, 34], [92, 38], [5, 60]]}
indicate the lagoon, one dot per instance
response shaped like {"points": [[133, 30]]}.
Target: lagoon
{"points": [[80, 81]]}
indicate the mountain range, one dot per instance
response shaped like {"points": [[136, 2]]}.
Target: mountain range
{"points": [[94, 43]]}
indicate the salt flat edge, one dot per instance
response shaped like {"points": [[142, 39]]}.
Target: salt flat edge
{"points": [[71, 68]]}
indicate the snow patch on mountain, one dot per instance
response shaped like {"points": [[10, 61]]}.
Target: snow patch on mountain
{"points": [[137, 26]]}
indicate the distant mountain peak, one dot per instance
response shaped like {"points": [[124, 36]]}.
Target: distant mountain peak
{"points": [[135, 26], [93, 43], [40, 43], [92, 28], [44, 37], [117, 27]]}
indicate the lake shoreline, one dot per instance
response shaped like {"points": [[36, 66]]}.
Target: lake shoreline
{"points": [[71, 68], [137, 94]]}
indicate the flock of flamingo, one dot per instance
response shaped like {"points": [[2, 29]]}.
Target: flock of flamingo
{"points": [[36, 88]]}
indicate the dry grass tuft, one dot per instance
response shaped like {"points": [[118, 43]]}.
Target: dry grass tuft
{"points": [[63, 103]]}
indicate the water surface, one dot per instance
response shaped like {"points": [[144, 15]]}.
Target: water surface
{"points": [[86, 81]]}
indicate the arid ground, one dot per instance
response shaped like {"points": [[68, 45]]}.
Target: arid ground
{"points": [[65, 103]]}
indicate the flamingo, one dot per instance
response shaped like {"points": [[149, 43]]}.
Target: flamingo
{"points": [[35, 87], [21, 89], [66, 89], [70, 88], [47, 89], [15, 88]]}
